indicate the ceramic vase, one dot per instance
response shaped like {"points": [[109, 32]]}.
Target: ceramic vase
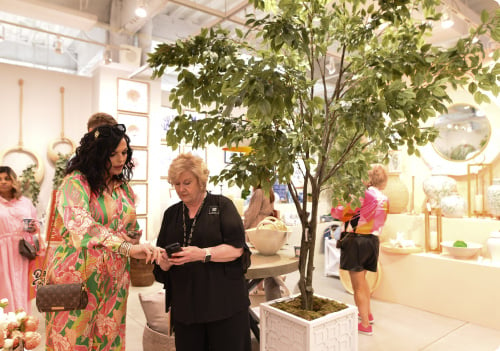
{"points": [[493, 196], [397, 193], [438, 186], [453, 206], [493, 244]]}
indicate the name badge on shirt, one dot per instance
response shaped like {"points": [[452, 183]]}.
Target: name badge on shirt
{"points": [[213, 210]]}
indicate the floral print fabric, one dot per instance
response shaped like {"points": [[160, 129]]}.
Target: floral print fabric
{"points": [[90, 222]]}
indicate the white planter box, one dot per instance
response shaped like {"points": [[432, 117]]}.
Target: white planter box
{"points": [[280, 330]]}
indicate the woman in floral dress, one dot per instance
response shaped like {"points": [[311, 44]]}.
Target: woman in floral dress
{"points": [[94, 213]]}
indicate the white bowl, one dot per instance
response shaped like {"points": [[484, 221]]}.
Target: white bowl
{"points": [[266, 241], [470, 251]]}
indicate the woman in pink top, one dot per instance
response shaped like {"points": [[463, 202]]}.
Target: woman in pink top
{"points": [[14, 268], [360, 247]]}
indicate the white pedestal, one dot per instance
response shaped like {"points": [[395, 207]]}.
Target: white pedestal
{"points": [[332, 258]]}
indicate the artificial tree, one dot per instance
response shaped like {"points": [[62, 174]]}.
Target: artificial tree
{"points": [[274, 89]]}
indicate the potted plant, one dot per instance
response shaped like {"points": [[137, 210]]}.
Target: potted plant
{"points": [[320, 89], [29, 185]]}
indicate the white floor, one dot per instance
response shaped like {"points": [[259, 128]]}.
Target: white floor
{"points": [[396, 328]]}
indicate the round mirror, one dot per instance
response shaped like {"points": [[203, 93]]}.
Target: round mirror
{"points": [[464, 132]]}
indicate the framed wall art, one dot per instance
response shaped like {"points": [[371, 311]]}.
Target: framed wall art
{"points": [[167, 155], [167, 116], [394, 166], [140, 159], [137, 128], [228, 155], [133, 96], [141, 198], [143, 225], [195, 115]]}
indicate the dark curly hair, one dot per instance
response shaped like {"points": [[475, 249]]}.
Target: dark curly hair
{"points": [[92, 156]]}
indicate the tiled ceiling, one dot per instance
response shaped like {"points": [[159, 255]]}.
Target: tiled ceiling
{"points": [[87, 31]]}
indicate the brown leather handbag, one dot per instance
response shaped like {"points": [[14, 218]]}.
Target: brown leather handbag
{"points": [[27, 249], [61, 297]]}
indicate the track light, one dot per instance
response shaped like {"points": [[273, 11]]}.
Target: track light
{"points": [[58, 46], [107, 56], [141, 11]]}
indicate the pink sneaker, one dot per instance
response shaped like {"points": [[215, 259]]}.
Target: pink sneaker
{"points": [[370, 318], [365, 330]]}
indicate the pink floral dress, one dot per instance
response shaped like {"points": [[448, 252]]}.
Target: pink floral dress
{"points": [[14, 268], [87, 221]]}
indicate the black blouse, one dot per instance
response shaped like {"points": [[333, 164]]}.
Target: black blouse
{"points": [[204, 292]]}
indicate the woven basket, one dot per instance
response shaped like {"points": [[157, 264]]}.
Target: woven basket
{"points": [[269, 236], [154, 341], [141, 273]]}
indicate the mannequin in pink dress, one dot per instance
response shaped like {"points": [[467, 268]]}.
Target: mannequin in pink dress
{"points": [[14, 268]]}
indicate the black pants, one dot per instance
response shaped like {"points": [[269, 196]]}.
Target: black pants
{"points": [[231, 334]]}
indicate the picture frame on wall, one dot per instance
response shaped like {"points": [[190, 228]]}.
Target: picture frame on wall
{"points": [[195, 115], [201, 152], [133, 96], [143, 225], [167, 155], [141, 197], [167, 116], [228, 155], [395, 162], [137, 128], [140, 159]]}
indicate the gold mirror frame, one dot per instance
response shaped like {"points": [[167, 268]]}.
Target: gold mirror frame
{"points": [[464, 133]]}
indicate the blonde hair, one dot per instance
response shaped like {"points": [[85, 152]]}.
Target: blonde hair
{"points": [[16, 186], [377, 176], [100, 119], [189, 163]]}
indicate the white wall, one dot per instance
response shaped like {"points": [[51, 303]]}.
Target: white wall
{"points": [[41, 115]]}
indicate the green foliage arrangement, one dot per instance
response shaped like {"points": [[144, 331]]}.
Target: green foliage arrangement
{"points": [[60, 168], [29, 186], [270, 88]]}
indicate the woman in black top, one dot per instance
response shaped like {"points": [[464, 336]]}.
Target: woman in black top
{"points": [[204, 282]]}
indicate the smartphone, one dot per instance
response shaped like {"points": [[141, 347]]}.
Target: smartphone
{"points": [[175, 247]]}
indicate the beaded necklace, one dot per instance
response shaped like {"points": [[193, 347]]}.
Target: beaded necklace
{"points": [[188, 237]]}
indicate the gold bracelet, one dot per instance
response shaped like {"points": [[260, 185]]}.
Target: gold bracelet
{"points": [[124, 249]]}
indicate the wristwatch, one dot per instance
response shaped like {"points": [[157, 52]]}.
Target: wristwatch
{"points": [[208, 256]]}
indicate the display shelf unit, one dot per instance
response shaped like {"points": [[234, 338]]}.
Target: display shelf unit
{"points": [[460, 289]]}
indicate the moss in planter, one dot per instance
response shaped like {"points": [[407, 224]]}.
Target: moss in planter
{"points": [[321, 307]]}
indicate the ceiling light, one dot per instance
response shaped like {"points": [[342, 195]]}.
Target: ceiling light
{"points": [[58, 46], [2, 33], [141, 11]]}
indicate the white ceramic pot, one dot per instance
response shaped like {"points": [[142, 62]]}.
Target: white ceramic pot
{"points": [[453, 206], [282, 331], [493, 244], [438, 186], [493, 196]]}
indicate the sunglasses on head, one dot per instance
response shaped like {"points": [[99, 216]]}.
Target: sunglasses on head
{"points": [[106, 130]]}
